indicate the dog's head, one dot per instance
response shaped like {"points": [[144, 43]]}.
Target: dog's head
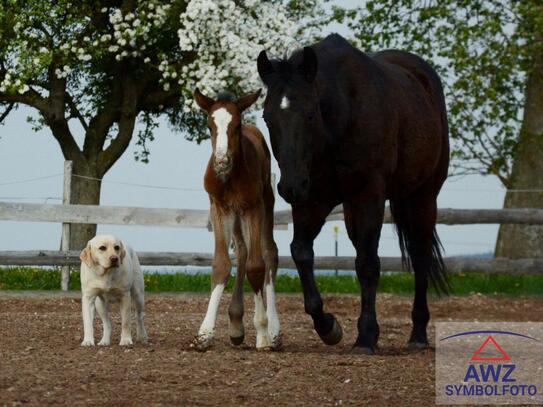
{"points": [[105, 251]]}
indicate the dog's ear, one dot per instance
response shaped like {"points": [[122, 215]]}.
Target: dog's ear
{"points": [[122, 252], [86, 256]]}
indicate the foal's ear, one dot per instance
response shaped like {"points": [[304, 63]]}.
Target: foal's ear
{"points": [[245, 101], [265, 67], [86, 256], [202, 100], [309, 65]]}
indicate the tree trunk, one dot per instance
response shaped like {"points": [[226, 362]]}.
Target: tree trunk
{"points": [[84, 192], [518, 241]]}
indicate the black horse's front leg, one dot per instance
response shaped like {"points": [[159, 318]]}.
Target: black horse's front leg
{"points": [[363, 220], [307, 225]]}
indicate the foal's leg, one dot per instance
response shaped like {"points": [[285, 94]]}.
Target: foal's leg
{"points": [[269, 254], [251, 222], [223, 224], [235, 310], [363, 220], [308, 221]]}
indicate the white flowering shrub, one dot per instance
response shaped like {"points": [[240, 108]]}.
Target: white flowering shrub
{"points": [[104, 66], [228, 39]]}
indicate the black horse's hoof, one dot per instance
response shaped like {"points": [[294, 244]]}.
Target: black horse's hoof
{"points": [[414, 345], [361, 350], [236, 341], [334, 336]]}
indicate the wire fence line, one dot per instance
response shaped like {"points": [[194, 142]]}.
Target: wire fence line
{"points": [[193, 189], [24, 181], [149, 186], [31, 198]]}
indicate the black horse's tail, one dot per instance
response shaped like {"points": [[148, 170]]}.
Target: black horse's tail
{"points": [[435, 268]]}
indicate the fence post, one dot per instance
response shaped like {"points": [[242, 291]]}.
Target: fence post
{"points": [[65, 240]]}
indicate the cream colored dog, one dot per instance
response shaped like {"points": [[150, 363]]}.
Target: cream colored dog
{"points": [[111, 272]]}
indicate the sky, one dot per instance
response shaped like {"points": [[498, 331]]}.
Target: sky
{"points": [[179, 164]]}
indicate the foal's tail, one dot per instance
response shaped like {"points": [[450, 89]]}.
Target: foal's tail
{"points": [[435, 267]]}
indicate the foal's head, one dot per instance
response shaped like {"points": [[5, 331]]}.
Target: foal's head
{"points": [[292, 114], [224, 122]]}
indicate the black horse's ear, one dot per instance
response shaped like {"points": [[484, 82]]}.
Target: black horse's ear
{"points": [[265, 67], [309, 65], [246, 101], [202, 100]]}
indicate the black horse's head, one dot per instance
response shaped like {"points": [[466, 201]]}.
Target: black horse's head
{"points": [[292, 114]]}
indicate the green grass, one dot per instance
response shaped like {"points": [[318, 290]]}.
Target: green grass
{"points": [[26, 278]]}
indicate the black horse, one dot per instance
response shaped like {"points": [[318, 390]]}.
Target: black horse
{"points": [[358, 129]]}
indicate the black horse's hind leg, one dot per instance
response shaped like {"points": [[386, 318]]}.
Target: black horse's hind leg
{"points": [[363, 220], [422, 213], [416, 219], [308, 222]]}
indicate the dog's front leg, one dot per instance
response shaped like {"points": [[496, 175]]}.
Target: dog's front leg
{"points": [[102, 308], [87, 303], [126, 306]]}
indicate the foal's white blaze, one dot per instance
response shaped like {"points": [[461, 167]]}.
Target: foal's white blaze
{"points": [[261, 323], [273, 319], [285, 103], [222, 119], [208, 325]]}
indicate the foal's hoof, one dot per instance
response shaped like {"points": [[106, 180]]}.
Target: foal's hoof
{"points": [[236, 341], [334, 336], [361, 350], [414, 346], [277, 342], [202, 343]]}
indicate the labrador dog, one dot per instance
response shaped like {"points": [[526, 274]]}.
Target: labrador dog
{"points": [[111, 272]]}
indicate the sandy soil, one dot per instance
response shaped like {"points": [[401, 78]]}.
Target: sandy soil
{"points": [[42, 363]]}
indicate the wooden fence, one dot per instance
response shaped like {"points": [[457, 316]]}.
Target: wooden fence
{"points": [[195, 218], [199, 218], [390, 264]]}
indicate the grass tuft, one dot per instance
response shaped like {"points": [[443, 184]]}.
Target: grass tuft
{"points": [[29, 278]]}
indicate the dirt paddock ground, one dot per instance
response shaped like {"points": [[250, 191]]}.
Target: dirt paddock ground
{"points": [[42, 363]]}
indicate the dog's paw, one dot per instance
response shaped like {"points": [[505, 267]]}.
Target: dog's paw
{"points": [[87, 342], [126, 342], [104, 342]]}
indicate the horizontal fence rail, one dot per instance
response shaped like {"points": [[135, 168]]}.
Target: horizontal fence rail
{"points": [[388, 264], [199, 218]]}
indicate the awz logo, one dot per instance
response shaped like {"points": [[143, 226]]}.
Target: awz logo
{"points": [[489, 373], [492, 377]]}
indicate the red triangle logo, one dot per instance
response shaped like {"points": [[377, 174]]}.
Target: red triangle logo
{"points": [[504, 354]]}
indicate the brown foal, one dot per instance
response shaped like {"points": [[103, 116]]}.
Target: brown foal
{"points": [[238, 182]]}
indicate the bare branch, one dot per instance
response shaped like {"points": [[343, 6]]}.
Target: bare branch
{"points": [[55, 116], [127, 121], [76, 113], [7, 112], [30, 98]]}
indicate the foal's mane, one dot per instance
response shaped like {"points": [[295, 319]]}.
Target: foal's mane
{"points": [[226, 96]]}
